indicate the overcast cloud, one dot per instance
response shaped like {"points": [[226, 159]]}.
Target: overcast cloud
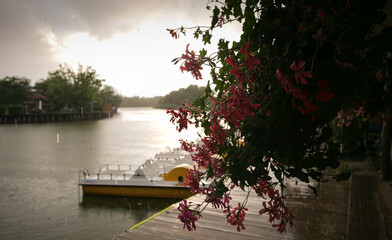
{"points": [[113, 36]]}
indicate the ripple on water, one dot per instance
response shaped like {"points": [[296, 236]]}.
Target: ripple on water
{"points": [[38, 176]]}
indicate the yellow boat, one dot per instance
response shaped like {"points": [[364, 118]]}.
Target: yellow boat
{"points": [[157, 178]]}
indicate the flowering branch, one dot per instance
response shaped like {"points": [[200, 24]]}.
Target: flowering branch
{"points": [[276, 91]]}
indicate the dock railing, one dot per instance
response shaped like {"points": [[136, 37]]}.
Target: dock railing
{"points": [[117, 172], [119, 167]]}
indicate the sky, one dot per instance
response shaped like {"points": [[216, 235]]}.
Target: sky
{"points": [[125, 41]]}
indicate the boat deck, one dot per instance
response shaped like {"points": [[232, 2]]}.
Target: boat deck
{"points": [[135, 182]]}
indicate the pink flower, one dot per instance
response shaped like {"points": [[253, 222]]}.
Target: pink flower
{"points": [[192, 63], [359, 112], [300, 74], [236, 217], [182, 117], [216, 202], [187, 215], [218, 133], [186, 146], [221, 21], [308, 107], [250, 60], [236, 106], [324, 95], [236, 70], [210, 144], [273, 205], [321, 13], [193, 180], [286, 84], [173, 33], [302, 27], [323, 84]]}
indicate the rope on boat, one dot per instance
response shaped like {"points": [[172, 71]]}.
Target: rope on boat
{"points": [[148, 219]]}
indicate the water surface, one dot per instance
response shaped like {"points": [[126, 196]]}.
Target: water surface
{"points": [[39, 175]]}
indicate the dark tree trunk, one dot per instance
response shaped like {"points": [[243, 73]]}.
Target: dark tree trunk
{"points": [[386, 149]]}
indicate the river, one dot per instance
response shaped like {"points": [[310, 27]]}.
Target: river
{"points": [[39, 166]]}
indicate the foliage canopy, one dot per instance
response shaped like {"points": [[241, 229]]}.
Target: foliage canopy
{"points": [[298, 68], [181, 96], [61, 87]]}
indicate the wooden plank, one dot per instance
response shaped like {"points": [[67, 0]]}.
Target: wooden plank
{"points": [[325, 216]]}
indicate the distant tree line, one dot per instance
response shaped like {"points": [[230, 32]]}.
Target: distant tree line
{"points": [[176, 98], [62, 89], [137, 101], [172, 100], [67, 90]]}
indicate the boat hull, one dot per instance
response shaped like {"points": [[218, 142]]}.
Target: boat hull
{"points": [[137, 191]]}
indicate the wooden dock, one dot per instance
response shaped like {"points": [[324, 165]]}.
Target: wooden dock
{"points": [[322, 217]]}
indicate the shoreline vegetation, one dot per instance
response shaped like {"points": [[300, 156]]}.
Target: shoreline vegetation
{"points": [[137, 101], [172, 100]]}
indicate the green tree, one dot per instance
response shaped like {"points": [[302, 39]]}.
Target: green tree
{"points": [[86, 85], [57, 87], [75, 89], [109, 94], [14, 90], [137, 101], [176, 98], [298, 67]]}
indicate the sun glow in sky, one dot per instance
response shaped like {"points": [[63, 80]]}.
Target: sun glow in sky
{"points": [[126, 42]]}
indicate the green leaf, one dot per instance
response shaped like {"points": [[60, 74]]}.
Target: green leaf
{"points": [[207, 37], [197, 33], [237, 8], [215, 17], [210, 172], [250, 21], [203, 52], [206, 125]]}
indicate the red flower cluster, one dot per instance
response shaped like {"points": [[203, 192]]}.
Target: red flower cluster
{"points": [[235, 107], [221, 21], [286, 84], [187, 215], [241, 70], [236, 217], [182, 117], [203, 155], [275, 208], [306, 106], [231, 108], [218, 133], [346, 118], [324, 95], [321, 13], [299, 73], [216, 202], [193, 180], [250, 60], [192, 63], [172, 33]]}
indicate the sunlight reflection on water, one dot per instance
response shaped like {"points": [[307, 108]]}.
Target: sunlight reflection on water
{"points": [[39, 176]]}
